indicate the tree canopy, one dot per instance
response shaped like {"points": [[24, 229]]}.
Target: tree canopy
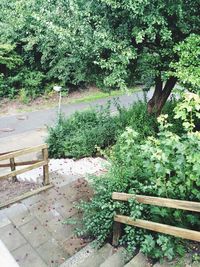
{"points": [[112, 43], [187, 68]]}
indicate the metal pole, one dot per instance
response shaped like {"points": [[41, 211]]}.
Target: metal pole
{"points": [[59, 104]]}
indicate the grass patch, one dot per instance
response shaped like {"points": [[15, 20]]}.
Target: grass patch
{"points": [[101, 95], [47, 102]]}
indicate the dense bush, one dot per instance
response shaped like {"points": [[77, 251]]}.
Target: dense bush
{"points": [[165, 166], [83, 132], [80, 135], [16, 79]]}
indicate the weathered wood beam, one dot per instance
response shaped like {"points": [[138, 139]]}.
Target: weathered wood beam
{"points": [[23, 152], [160, 228], [158, 201], [25, 195]]}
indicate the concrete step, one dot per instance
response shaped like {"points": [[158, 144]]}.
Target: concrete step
{"points": [[118, 259], [89, 257], [98, 257], [138, 261], [80, 256]]}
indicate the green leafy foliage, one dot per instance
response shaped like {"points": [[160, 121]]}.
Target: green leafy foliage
{"points": [[164, 166], [8, 58], [80, 135], [84, 132], [187, 68], [110, 43]]}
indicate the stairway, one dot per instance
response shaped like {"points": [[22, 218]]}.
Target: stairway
{"points": [[108, 256]]}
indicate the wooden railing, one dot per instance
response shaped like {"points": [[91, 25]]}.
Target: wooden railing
{"points": [[153, 226], [11, 156]]}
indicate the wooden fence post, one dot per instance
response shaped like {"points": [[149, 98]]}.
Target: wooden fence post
{"points": [[12, 166], [117, 228], [45, 167]]}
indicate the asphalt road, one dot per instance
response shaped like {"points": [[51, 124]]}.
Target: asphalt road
{"points": [[29, 121]]}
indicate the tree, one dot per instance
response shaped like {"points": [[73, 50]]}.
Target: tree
{"points": [[187, 68], [139, 38], [8, 58], [111, 43]]}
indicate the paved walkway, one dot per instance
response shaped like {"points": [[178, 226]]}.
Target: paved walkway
{"points": [[33, 231], [39, 119]]}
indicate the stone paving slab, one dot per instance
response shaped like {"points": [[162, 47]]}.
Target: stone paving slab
{"points": [[30, 201], [26, 256], [18, 214], [33, 230], [35, 233], [3, 219], [43, 211], [76, 190], [52, 253], [60, 180], [52, 195], [11, 237], [58, 230], [74, 244]]}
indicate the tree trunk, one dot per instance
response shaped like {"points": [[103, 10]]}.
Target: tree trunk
{"points": [[160, 95], [157, 93]]}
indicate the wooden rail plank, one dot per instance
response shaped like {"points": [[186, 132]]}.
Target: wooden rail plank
{"points": [[158, 201], [23, 152], [23, 163], [7, 152], [45, 167], [25, 195], [158, 227], [29, 168], [12, 167], [117, 229]]}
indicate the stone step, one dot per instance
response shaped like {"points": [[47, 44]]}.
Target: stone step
{"points": [[80, 256], [89, 256], [118, 259], [98, 257], [138, 261]]}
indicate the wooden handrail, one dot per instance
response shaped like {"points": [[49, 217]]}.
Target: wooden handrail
{"points": [[22, 163], [7, 152], [158, 201], [32, 165], [159, 227], [153, 226], [29, 168], [23, 152]]}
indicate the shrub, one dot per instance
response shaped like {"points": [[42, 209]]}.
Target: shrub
{"points": [[137, 117], [80, 135], [83, 132], [28, 82], [164, 166]]}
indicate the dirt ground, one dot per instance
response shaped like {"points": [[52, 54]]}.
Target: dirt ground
{"points": [[14, 106], [9, 189]]}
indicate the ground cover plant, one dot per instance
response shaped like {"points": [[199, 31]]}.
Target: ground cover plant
{"points": [[166, 165]]}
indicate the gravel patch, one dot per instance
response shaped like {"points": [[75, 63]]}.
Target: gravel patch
{"points": [[82, 167]]}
